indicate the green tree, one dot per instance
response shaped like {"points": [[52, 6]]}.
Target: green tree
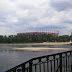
{"points": [[1, 39]]}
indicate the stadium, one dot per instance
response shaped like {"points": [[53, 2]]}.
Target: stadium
{"points": [[39, 32]]}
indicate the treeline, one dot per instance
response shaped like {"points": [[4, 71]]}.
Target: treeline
{"points": [[34, 38]]}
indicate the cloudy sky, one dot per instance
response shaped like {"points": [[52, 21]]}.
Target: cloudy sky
{"points": [[20, 15]]}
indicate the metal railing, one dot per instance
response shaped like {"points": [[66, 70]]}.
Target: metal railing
{"points": [[59, 62]]}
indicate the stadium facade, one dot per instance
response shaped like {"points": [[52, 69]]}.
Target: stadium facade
{"points": [[39, 32]]}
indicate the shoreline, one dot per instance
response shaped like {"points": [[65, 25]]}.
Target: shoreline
{"points": [[38, 49], [44, 43]]}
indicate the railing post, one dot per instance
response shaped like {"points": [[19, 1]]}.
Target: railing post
{"points": [[23, 67], [71, 63], [71, 60], [60, 62], [66, 62], [30, 66], [54, 63], [39, 65], [71, 68]]}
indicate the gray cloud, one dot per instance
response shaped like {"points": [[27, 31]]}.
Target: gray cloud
{"points": [[61, 5], [30, 7], [68, 22]]}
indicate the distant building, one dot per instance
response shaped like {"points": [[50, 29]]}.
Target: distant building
{"points": [[39, 32]]}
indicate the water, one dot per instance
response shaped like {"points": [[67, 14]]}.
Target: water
{"points": [[9, 58]]}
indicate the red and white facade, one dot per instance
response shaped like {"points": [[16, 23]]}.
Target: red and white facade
{"points": [[38, 33]]}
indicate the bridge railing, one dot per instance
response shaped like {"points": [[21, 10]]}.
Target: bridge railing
{"points": [[59, 62]]}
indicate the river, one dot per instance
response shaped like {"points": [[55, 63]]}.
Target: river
{"points": [[9, 57]]}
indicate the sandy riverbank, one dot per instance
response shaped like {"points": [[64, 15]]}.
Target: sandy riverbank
{"points": [[57, 43], [39, 49], [45, 43]]}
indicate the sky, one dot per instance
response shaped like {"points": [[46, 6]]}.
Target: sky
{"points": [[19, 15]]}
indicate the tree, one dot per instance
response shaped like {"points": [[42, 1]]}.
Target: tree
{"points": [[64, 38], [1, 38]]}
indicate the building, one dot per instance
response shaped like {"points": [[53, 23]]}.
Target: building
{"points": [[39, 32]]}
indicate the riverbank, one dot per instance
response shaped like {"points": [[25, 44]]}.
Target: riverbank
{"points": [[45, 43], [39, 49]]}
